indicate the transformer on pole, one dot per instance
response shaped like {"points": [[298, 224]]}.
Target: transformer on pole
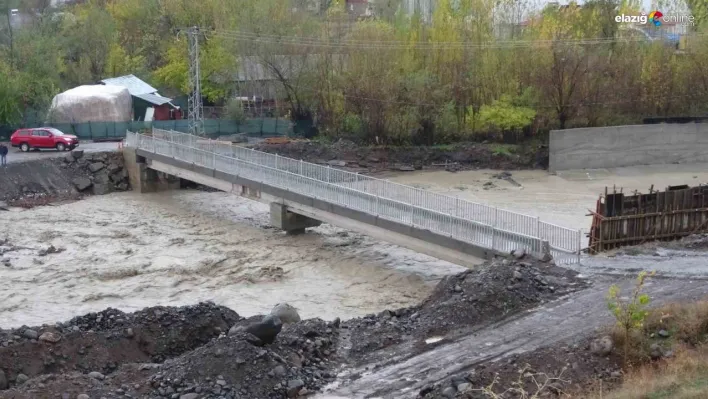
{"points": [[195, 111]]}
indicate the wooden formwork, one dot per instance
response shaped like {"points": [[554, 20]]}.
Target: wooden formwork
{"points": [[621, 220]]}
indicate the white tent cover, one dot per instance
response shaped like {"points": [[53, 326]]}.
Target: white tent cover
{"points": [[92, 103]]}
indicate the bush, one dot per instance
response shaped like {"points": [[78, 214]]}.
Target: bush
{"points": [[630, 313], [504, 116], [234, 110]]}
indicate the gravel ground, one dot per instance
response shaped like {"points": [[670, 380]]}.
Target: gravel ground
{"points": [[16, 155]]}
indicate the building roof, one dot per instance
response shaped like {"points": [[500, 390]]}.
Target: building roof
{"points": [[134, 85], [138, 88], [154, 99]]}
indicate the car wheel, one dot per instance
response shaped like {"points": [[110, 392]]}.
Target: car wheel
{"points": [[24, 147], [61, 147]]}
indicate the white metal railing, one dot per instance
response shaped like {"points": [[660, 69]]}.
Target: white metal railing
{"points": [[490, 227]]}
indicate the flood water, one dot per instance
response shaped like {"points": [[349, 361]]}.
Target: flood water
{"points": [[130, 251]]}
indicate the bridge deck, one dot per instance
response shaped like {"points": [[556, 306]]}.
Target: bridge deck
{"points": [[487, 227]]}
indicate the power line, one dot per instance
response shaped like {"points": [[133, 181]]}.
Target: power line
{"points": [[402, 45]]}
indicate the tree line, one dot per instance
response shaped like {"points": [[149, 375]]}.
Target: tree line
{"points": [[471, 67]]}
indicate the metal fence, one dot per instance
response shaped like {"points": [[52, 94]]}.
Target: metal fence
{"points": [[482, 225], [261, 127]]}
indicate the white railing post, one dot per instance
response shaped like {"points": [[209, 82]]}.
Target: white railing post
{"points": [[300, 167], [276, 161], [457, 214], [580, 243], [494, 230], [329, 167], [538, 231]]}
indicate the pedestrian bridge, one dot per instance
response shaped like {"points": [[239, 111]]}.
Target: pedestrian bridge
{"points": [[303, 195]]}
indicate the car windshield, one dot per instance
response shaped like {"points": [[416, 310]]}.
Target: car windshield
{"points": [[55, 132]]}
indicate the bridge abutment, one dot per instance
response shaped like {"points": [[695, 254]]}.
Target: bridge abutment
{"points": [[292, 223], [146, 180]]}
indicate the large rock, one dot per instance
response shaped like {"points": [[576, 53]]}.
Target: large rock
{"points": [[114, 167], [50, 337], [267, 329], [602, 346], [286, 313], [101, 178], [30, 334], [82, 183], [77, 154], [96, 166], [294, 387], [21, 379], [102, 189], [119, 176], [3, 381]]}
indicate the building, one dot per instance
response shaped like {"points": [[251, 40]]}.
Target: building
{"points": [[148, 104], [359, 8]]}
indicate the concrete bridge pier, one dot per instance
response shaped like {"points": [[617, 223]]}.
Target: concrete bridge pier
{"points": [[291, 222], [146, 180]]}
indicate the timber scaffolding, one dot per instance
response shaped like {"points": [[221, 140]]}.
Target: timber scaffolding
{"points": [[621, 220]]}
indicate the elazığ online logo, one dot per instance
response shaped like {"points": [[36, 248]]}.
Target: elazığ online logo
{"points": [[655, 17]]}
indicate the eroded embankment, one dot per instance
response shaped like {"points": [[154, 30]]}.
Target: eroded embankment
{"points": [[73, 176]]}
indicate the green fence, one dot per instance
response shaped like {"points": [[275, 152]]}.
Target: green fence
{"points": [[264, 127]]}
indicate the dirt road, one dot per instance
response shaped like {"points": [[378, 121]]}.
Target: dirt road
{"points": [[564, 320]]}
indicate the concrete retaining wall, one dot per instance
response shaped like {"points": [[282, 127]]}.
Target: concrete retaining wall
{"points": [[618, 146]]}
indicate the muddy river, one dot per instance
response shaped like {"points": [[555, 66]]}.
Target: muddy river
{"points": [[129, 251]]}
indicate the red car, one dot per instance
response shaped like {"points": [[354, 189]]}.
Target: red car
{"points": [[43, 137]]}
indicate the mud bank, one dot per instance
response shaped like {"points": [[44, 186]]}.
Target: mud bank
{"points": [[376, 159], [72, 176]]}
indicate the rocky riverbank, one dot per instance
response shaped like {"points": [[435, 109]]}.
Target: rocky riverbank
{"points": [[72, 177]]}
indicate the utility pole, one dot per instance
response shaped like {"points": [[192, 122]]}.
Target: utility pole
{"points": [[195, 111]]}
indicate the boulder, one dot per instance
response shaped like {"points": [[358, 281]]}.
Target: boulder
{"points": [[294, 387], [30, 334], [82, 183], [77, 154], [267, 329], [286, 313], [3, 381], [97, 375], [518, 253], [101, 189], [101, 178], [602, 346], [114, 167], [21, 379], [50, 337], [96, 166]]}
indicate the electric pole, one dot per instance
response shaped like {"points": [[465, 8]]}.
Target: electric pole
{"points": [[195, 111]]}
